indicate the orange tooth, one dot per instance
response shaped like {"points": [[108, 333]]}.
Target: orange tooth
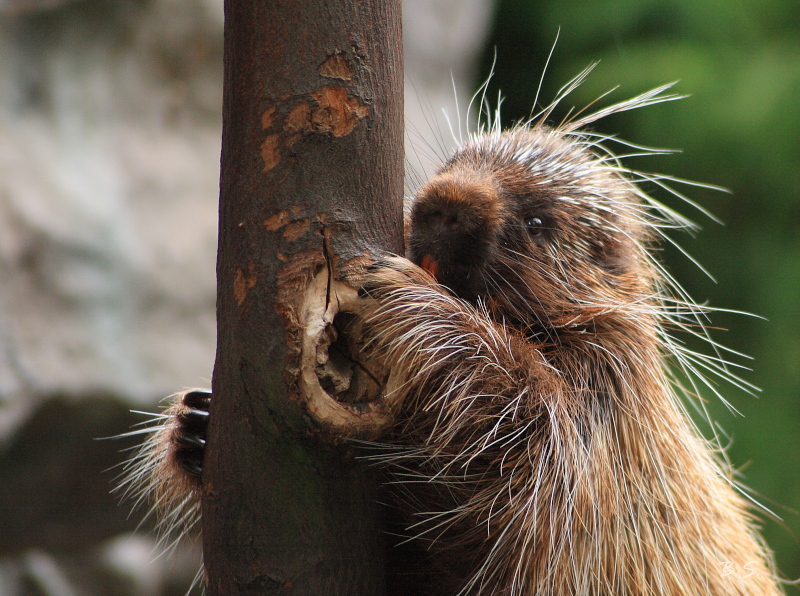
{"points": [[429, 265]]}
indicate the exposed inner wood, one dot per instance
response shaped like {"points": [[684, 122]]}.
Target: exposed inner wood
{"points": [[345, 392]]}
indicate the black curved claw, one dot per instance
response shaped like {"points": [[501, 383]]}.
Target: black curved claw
{"points": [[191, 466], [190, 441], [195, 415], [199, 399]]}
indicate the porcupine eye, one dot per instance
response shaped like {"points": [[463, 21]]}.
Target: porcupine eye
{"points": [[534, 225]]}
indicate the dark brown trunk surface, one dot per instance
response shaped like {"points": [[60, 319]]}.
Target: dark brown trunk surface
{"points": [[312, 173]]}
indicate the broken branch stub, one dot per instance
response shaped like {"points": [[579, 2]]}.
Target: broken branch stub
{"points": [[341, 387]]}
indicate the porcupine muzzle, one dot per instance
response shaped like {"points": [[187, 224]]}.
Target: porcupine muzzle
{"points": [[453, 225]]}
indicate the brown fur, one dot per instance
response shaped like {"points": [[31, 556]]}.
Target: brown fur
{"points": [[542, 448]]}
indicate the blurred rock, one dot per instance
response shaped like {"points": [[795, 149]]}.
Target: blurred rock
{"points": [[110, 126], [109, 140], [57, 472]]}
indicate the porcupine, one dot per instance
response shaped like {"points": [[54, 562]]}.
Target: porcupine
{"points": [[542, 446]]}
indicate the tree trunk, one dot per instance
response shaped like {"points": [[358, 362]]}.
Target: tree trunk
{"points": [[312, 180]]}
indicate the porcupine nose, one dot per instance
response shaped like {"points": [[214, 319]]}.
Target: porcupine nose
{"points": [[449, 228], [446, 242], [445, 218]]}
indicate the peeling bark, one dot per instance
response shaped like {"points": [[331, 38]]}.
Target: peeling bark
{"points": [[312, 177]]}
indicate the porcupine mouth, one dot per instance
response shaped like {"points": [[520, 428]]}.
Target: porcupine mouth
{"points": [[461, 279], [429, 265]]}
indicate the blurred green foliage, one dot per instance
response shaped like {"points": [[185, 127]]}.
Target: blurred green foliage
{"points": [[739, 61]]}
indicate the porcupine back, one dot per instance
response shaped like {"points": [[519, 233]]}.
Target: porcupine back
{"points": [[542, 447]]}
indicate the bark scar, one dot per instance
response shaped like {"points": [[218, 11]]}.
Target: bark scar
{"points": [[330, 109], [242, 282], [337, 66]]}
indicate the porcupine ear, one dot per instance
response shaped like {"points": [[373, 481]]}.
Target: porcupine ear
{"points": [[165, 470]]}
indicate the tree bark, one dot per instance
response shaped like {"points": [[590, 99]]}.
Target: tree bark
{"points": [[312, 180]]}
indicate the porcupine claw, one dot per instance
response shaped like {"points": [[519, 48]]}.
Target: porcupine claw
{"points": [[198, 399], [367, 287], [191, 467]]}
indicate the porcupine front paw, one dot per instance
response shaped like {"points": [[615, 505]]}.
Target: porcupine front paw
{"points": [[165, 471], [390, 273], [189, 434]]}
